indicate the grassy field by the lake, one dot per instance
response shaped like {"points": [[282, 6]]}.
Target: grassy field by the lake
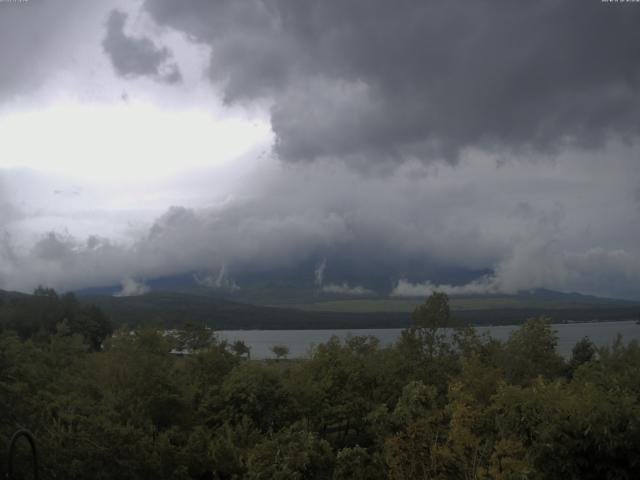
{"points": [[487, 302]]}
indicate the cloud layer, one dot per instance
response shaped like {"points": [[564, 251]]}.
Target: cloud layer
{"points": [[473, 228], [374, 80], [489, 147]]}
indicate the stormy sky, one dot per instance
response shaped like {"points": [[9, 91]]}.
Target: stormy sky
{"points": [[396, 147]]}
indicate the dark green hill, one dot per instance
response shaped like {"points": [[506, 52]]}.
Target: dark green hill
{"points": [[537, 300], [6, 296], [172, 309]]}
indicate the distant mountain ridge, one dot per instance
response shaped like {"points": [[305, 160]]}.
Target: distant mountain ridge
{"points": [[286, 291], [172, 309], [8, 295]]}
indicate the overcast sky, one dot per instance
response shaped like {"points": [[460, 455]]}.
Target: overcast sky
{"points": [[483, 146]]}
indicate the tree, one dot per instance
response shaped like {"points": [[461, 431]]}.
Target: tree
{"points": [[531, 352], [583, 352], [428, 321], [91, 322], [241, 349], [280, 351], [427, 346], [255, 391], [416, 450], [291, 455], [193, 337], [341, 384], [45, 292], [356, 463]]}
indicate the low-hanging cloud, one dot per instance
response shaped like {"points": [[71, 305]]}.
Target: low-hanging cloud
{"points": [[405, 288], [222, 281], [346, 289], [531, 267], [470, 229], [318, 273], [343, 288], [132, 288]]}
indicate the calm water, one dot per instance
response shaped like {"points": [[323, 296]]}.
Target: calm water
{"points": [[300, 341]]}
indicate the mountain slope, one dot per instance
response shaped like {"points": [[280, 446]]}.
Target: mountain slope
{"points": [[537, 300], [171, 309]]}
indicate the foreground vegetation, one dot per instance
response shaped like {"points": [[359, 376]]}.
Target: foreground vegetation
{"points": [[431, 406]]}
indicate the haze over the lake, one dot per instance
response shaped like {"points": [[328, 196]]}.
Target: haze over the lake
{"points": [[481, 147]]}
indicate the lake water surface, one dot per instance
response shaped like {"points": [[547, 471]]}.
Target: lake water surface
{"points": [[301, 341]]}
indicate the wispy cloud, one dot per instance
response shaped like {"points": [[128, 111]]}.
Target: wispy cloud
{"points": [[132, 288], [222, 281], [318, 273], [346, 289]]}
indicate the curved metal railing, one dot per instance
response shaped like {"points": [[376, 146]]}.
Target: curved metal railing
{"points": [[12, 450]]}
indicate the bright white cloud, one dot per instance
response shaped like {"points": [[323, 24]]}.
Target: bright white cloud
{"points": [[346, 289], [130, 143], [595, 271], [405, 288], [132, 288]]}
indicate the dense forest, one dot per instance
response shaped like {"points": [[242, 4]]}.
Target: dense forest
{"points": [[119, 405]]}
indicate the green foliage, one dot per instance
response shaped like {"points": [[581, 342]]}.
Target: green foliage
{"points": [[241, 349], [427, 335], [531, 352], [582, 353], [342, 383], [440, 404], [45, 313], [290, 455], [192, 337], [575, 431], [434, 313], [280, 351], [357, 463], [257, 392]]}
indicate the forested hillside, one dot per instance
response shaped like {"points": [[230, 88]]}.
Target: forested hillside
{"points": [[172, 309], [45, 313], [430, 406]]}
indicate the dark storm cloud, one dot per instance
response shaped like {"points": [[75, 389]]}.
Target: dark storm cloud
{"points": [[380, 79], [132, 57]]}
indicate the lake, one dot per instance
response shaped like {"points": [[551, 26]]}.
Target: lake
{"points": [[300, 341]]}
